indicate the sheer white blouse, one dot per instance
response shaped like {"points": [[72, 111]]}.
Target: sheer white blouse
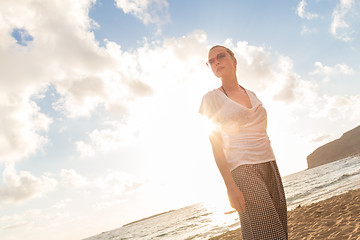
{"points": [[243, 130]]}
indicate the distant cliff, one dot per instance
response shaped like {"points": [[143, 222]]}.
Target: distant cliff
{"points": [[347, 145]]}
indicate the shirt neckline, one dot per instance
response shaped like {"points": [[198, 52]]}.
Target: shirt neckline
{"points": [[242, 106]]}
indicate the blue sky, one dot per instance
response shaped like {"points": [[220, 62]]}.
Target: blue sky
{"points": [[99, 101]]}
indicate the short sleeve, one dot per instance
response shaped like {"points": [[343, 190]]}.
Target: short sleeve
{"points": [[209, 107]]}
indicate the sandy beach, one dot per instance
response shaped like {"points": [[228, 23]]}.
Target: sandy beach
{"points": [[335, 218]]}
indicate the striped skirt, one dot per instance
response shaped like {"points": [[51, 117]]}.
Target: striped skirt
{"points": [[266, 214]]}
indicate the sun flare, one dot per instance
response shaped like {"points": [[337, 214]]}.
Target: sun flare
{"points": [[206, 126]]}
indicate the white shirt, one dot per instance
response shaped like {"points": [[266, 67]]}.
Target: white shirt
{"points": [[243, 130]]}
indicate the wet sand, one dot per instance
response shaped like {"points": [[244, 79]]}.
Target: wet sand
{"points": [[335, 218]]}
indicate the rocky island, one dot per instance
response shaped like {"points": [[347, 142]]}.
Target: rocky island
{"points": [[347, 145]]}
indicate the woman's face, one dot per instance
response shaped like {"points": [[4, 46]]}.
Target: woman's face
{"points": [[221, 62]]}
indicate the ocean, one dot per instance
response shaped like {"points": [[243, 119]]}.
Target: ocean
{"points": [[200, 221]]}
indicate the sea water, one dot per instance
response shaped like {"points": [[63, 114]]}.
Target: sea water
{"points": [[200, 221]]}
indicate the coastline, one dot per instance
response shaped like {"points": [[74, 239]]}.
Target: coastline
{"points": [[333, 218]]}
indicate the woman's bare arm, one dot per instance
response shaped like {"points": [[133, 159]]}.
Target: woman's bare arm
{"points": [[236, 197]]}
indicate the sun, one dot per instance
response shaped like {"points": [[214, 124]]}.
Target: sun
{"points": [[205, 126]]}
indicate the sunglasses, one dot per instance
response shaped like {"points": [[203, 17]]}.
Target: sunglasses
{"points": [[218, 57]]}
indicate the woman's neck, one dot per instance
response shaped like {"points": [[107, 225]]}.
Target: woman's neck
{"points": [[230, 82]]}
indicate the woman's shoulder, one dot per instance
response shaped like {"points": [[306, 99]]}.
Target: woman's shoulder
{"points": [[212, 102], [214, 97], [250, 91], [212, 94]]}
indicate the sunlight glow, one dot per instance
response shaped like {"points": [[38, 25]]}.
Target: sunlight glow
{"points": [[206, 126]]}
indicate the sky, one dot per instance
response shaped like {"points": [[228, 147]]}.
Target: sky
{"points": [[99, 101]]}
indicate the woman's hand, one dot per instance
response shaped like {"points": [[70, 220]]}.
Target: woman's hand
{"points": [[236, 199]]}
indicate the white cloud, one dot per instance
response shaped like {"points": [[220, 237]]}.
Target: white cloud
{"points": [[337, 108], [340, 27], [112, 185], [24, 186], [72, 179], [289, 86], [148, 11], [254, 64], [117, 183], [86, 77], [301, 11], [22, 128], [60, 43], [269, 74], [40, 223], [85, 149], [80, 96], [107, 139], [306, 30], [147, 72], [328, 71], [337, 69], [62, 53]]}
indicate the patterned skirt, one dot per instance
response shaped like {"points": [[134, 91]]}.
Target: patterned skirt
{"points": [[266, 214]]}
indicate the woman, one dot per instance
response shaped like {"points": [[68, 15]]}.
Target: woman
{"points": [[243, 153]]}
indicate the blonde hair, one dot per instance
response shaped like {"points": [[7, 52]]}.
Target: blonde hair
{"points": [[231, 53]]}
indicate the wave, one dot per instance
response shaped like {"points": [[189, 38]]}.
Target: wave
{"points": [[323, 186], [342, 177], [346, 175]]}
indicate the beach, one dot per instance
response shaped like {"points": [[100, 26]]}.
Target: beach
{"points": [[323, 203], [337, 218]]}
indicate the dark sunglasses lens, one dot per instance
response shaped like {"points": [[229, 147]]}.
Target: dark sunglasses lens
{"points": [[220, 56]]}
